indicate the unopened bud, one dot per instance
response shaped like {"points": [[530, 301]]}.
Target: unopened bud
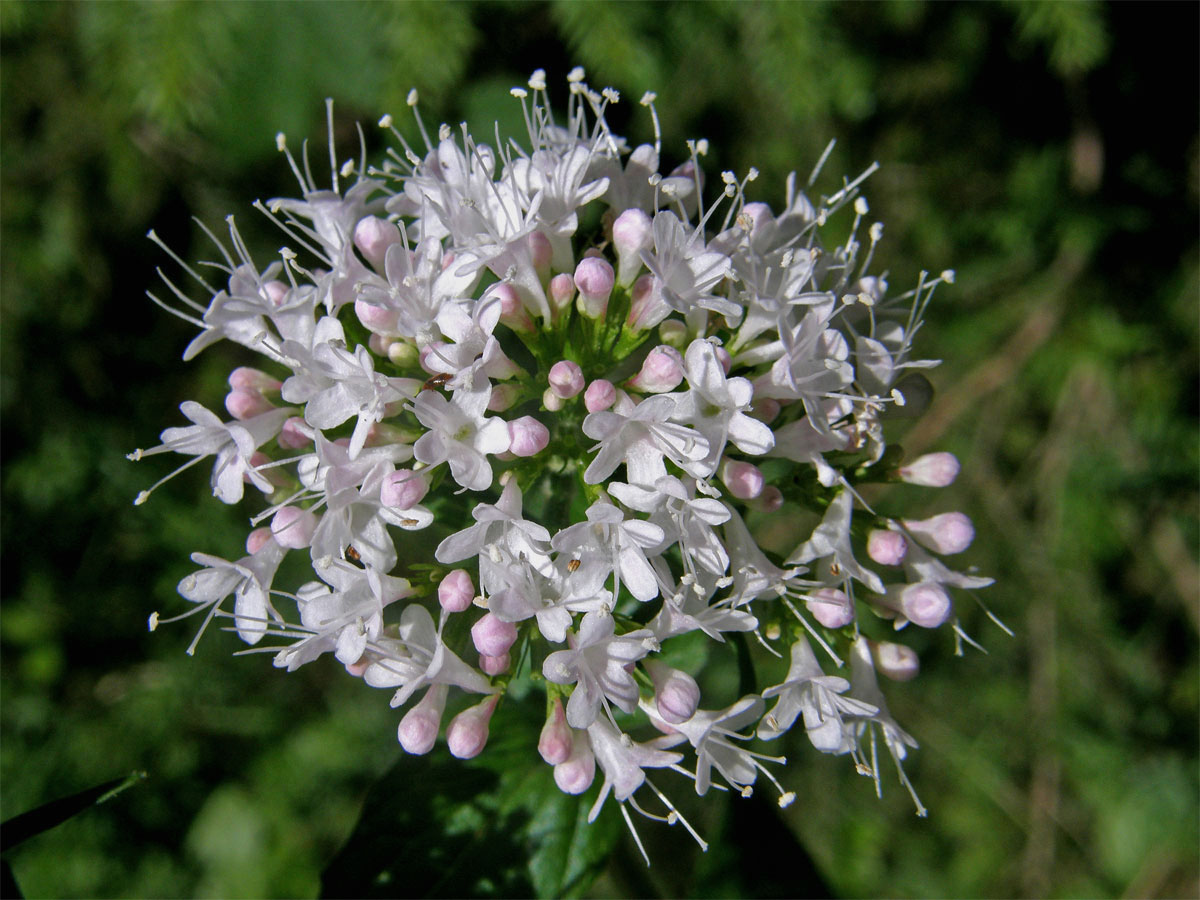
{"points": [[897, 661], [493, 637], [527, 436], [769, 500], [403, 353], [599, 396], [662, 371], [831, 607], [562, 292], [467, 733], [418, 729], [376, 318], [594, 278], [925, 604], [293, 527], [931, 470], [947, 533], [494, 665], [512, 311], [456, 591], [673, 333], [555, 741], [676, 694], [576, 774], [744, 480], [257, 539], [244, 404], [403, 489], [503, 397], [888, 548], [632, 232], [254, 380], [542, 252], [372, 237], [566, 378], [295, 434], [552, 401]]}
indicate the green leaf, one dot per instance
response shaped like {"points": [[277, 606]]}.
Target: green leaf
{"points": [[569, 853], [48, 815]]}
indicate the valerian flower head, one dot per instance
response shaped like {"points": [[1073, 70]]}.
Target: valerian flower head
{"points": [[523, 454]]}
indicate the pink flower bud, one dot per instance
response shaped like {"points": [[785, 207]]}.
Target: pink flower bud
{"points": [[293, 527], [831, 607], [456, 591], [950, 532], [257, 539], [599, 396], [379, 319], [503, 397], [512, 311], [676, 694], [765, 409], [493, 637], [931, 470], [647, 307], [562, 291], [552, 401], [295, 434], [246, 404], [769, 500], [555, 741], [542, 252], [897, 661], [673, 333], [402, 353], [254, 380], [662, 371], [888, 548], [576, 774], [527, 436], [494, 665], [372, 237], [467, 733], [566, 378], [632, 232], [418, 729], [744, 480], [594, 278], [925, 604], [402, 489]]}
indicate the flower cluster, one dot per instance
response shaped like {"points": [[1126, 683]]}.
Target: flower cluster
{"points": [[594, 391]]}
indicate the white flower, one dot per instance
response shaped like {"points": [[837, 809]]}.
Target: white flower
{"points": [[608, 543], [461, 435], [419, 658], [596, 665], [818, 697], [716, 406], [640, 436]]}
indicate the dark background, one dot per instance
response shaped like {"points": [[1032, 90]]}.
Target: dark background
{"points": [[1045, 151]]}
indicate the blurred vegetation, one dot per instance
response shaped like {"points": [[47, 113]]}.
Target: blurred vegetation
{"points": [[1022, 144]]}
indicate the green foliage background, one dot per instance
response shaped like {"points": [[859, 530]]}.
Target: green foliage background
{"points": [[1022, 144]]}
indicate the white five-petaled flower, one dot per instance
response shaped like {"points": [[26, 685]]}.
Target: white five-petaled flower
{"points": [[460, 434], [597, 665]]}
